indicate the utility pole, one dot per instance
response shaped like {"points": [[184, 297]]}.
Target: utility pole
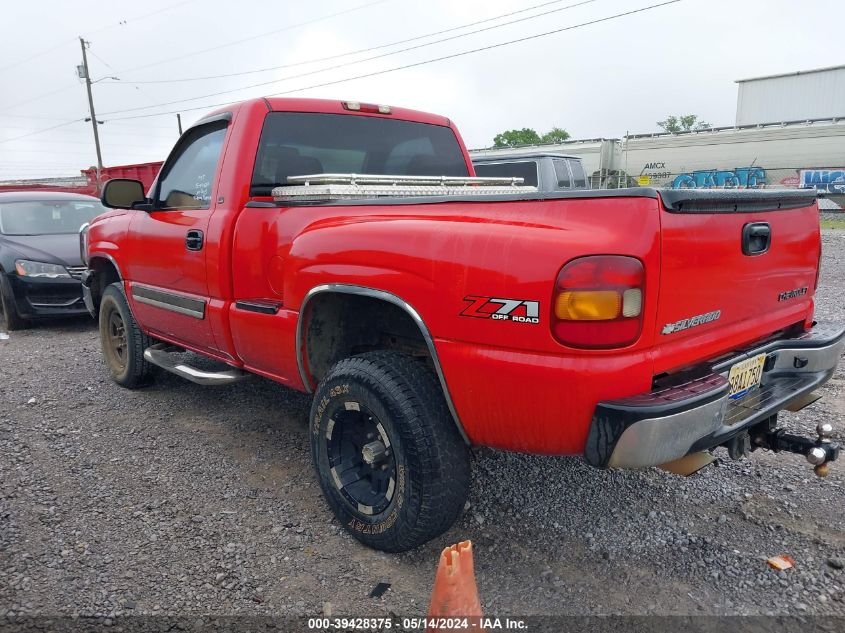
{"points": [[179, 122], [93, 114]]}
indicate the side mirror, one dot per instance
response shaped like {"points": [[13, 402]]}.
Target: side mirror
{"points": [[123, 193]]}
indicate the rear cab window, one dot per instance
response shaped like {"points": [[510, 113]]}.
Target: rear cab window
{"points": [[562, 177], [525, 169], [579, 178], [302, 143]]}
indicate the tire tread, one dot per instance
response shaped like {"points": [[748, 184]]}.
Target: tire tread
{"points": [[139, 370], [435, 447]]}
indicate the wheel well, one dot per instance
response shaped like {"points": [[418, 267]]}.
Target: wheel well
{"points": [[106, 274], [341, 325]]}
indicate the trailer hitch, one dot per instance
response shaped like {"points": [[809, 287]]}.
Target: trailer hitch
{"points": [[819, 452]]}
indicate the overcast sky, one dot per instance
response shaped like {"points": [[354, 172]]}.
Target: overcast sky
{"points": [[594, 80]]}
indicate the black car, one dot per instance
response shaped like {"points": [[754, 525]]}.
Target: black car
{"points": [[40, 263]]}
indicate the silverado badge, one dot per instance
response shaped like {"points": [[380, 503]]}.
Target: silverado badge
{"points": [[791, 294], [685, 324]]}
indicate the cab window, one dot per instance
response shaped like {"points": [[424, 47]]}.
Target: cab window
{"points": [[188, 180], [305, 143], [525, 169], [564, 181], [579, 178]]}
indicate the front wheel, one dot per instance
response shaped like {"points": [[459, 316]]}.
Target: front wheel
{"points": [[390, 460], [122, 340], [7, 305]]}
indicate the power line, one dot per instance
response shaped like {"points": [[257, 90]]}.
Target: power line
{"points": [[34, 161], [146, 127], [16, 173], [36, 98], [349, 53], [106, 130], [46, 129], [29, 127], [100, 30], [253, 37], [424, 62], [29, 116], [50, 152], [39, 169], [355, 62], [77, 141], [53, 92], [141, 17], [302, 63], [159, 140], [90, 50], [34, 56]]}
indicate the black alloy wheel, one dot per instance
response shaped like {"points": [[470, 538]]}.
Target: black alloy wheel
{"points": [[361, 458], [391, 462]]}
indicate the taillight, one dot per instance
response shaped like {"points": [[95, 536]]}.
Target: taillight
{"points": [[373, 108], [598, 302]]}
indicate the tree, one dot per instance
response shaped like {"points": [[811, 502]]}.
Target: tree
{"points": [[555, 135], [527, 136], [512, 138], [684, 123]]}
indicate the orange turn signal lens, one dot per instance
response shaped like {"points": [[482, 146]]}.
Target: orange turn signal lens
{"points": [[588, 305]]}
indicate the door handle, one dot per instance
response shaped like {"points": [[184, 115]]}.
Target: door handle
{"points": [[756, 238], [194, 240]]}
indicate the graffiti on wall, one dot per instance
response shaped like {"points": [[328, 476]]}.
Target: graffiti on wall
{"points": [[739, 178], [830, 180]]}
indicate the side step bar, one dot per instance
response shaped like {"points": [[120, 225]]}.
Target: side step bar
{"points": [[161, 356]]}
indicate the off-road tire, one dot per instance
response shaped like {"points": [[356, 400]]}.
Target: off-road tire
{"points": [[10, 317], [431, 459], [125, 362]]}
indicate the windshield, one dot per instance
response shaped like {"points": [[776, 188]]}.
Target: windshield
{"points": [[46, 217], [299, 144]]}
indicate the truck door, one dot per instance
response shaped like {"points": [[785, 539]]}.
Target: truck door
{"points": [[166, 266]]}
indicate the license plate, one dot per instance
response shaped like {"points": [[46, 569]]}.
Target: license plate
{"points": [[745, 375]]}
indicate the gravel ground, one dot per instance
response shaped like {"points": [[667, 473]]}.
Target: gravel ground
{"points": [[183, 500]]}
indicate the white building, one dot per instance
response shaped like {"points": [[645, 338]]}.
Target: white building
{"points": [[798, 96], [790, 132]]}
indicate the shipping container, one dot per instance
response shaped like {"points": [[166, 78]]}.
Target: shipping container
{"points": [[87, 182]]}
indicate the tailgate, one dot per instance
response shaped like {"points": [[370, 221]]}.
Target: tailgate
{"points": [[736, 267]]}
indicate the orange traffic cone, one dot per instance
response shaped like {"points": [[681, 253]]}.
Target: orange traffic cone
{"points": [[455, 594]]}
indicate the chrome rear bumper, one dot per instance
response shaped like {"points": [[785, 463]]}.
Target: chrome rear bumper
{"points": [[667, 424]]}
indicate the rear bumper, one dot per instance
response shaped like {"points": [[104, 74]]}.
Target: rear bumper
{"points": [[669, 423], [37, 298]]}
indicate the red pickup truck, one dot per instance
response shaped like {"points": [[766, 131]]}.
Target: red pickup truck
{"points": [[347, 250]]}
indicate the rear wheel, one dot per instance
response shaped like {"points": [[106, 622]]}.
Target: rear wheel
{"points": [[391, 463], [11, 319], [123, 343]]}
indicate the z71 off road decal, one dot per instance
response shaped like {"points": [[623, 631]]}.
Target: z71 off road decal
{"points": [[516, 310]]}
